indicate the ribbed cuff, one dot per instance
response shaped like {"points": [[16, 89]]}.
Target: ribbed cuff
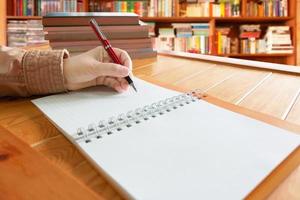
{"points": [[43, 71]]}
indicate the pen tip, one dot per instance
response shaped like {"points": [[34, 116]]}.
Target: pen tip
{"points": [[133, 86]]}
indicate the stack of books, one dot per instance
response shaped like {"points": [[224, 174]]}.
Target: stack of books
{"points": [[223, 40], [267, 8], [183, 34], [278, 40], [250, 39], [72, 31], [185, 37], [197, 9], [140, 7], [226, 8], [22, 33], [165, 39], [194, 38]]}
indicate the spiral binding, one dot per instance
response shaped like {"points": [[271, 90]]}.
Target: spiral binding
{"points": [[133, 117]]}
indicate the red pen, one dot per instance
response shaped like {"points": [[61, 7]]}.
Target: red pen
{"points": [[109, 48]]}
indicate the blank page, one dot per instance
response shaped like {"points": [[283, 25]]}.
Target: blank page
{"points": [[81, 108]]}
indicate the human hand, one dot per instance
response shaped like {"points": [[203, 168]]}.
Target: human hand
{"points": [[94, 67]]}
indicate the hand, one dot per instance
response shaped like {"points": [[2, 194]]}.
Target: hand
{"points": [[88, 69]]}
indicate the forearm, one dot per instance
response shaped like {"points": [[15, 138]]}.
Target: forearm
{"points": [[26, 73]]}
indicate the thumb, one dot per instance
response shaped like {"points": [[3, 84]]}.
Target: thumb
{"points": [[111, 69]]}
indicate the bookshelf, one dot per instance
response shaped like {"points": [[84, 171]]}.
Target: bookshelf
{"points": [[2, 22], [8, 10]]}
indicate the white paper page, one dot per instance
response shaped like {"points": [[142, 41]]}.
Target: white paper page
{"points": [[81, 108], [198, 151]]}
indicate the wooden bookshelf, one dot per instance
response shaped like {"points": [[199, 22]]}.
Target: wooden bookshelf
{"points": [[220, 19], [213, 22], [243, 19], [24, 17], [2, 22]]}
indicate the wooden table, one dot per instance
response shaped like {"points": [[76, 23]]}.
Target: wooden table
{"points": [[268, 91]]}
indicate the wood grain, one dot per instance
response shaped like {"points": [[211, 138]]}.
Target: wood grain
{"points": [[294, 115], [26, 175], [184, 71], [86, 173], [162, 65], [14, 113], [233, 89], [208, 78], [34, 131], [274, 96]]}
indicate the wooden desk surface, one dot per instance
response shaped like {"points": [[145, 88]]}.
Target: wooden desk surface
{"points": [[270, 92]]}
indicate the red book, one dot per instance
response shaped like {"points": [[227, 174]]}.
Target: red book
{"points": [[250, 35], [20, 7]]}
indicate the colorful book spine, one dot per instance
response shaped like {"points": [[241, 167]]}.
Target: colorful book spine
{"points": [[133, 6], [163, 8], [267, 8], [225, 8], [192, 38], [42, 7]]}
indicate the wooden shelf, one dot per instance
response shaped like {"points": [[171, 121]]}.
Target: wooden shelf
{"points": [[24, 17], [253, 19], [220, 19], [240, 55], [175, 19]]}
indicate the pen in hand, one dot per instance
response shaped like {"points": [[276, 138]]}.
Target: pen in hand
{"points": [[109, 49]]}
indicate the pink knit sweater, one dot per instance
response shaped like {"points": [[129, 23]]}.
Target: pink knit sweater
{"points": [[33, 72]]}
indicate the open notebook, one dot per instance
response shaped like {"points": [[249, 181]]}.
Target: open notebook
{"points": [[161, 144]]}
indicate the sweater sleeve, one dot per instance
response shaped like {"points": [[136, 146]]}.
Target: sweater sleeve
{"points": [[32, 72]]}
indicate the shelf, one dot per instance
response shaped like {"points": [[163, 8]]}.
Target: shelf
{"points": [[23, 17], [257, 55], [175, 19], [218, 19], [252, 19]]}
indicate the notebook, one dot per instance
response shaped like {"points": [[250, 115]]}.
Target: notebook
{"points": [[162, 144]]}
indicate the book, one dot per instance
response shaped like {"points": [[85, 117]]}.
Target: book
{"points": [[138, 7], [86, 33], [74, 33], [278, 40], [164, 8], [163, 144], [120, 43], [83, 18], [22, 33], [223, 40], [267, 8], [185, 37], [225, 8]]}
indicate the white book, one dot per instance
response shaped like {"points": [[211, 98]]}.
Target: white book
{"points": [[176, 147]]}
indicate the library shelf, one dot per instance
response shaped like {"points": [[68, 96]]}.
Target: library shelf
{"points": [[241, 55], [24, 17]]}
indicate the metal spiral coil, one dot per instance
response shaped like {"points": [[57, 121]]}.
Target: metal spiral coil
{"points": [[132, 118]]}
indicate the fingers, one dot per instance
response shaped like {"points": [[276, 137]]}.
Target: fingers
{"points": [[111, 82], [124, 83], [124, 57], [110, 69]]}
